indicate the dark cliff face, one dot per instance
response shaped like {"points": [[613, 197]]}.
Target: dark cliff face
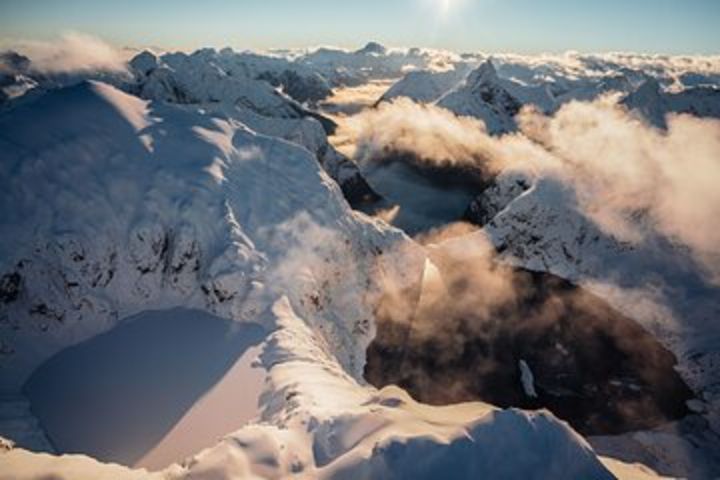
{"points": [[592, 366], [309, 88], [483, 208], [359, 193]]}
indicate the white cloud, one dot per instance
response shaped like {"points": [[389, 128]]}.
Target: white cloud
{"points": [[71, 52]]}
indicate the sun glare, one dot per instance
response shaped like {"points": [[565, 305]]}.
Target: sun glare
{"points": [[446, 7]]}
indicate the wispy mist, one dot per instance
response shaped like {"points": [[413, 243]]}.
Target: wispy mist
{"points": [[619, 167]]}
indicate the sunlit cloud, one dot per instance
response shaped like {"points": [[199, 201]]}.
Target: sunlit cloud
{"points": [[71, 52], [616, 164]]}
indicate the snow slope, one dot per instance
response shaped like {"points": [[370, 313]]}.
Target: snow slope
{"points": [[128, 206], [136, 163], [425, 86], [234, 85], [138, 382], [308, 133]]}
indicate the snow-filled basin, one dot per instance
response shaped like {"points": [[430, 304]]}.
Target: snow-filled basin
{"points": [[157, 388]]}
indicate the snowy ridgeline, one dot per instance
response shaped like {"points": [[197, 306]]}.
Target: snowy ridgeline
{"points": [[491, 87], [225, 75], [127, 206], [498, 88]]}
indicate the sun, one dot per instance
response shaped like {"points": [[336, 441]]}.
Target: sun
{"points": [[445, 7]]}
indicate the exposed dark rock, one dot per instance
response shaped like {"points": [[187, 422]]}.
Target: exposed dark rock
{"points": [[10, 287], [311, 88], [358, 192], [13, 63], [493, 199], [372, 48]]}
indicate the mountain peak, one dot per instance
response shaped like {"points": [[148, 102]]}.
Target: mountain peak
{"points": [[13, 62], [647, 95], [144, 62], [485, 73], [649, 88], [650, 101], [373, 48]]}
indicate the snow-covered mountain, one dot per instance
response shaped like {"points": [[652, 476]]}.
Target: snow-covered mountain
{"points": [[654, 104], [14, 79], [426, 86], [588, 91], [373, 61], [547, 83], [238, 85], [200, 78], [297, 81], [223, 82], [536, 223], [146, 242], [128, 206], [483, 96]]}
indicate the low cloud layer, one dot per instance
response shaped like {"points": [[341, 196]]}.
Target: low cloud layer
{"points": [[351, 100], [72, 52], [433, 134], [619, 167], [572, 66]]}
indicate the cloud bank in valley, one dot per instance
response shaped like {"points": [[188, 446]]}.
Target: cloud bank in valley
{"points": [[617, 165], [71, 52]]}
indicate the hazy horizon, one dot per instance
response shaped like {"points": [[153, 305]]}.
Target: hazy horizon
{"points": [[517, 26]]}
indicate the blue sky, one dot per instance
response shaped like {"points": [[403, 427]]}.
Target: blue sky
{"points": [[524, 26]]}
